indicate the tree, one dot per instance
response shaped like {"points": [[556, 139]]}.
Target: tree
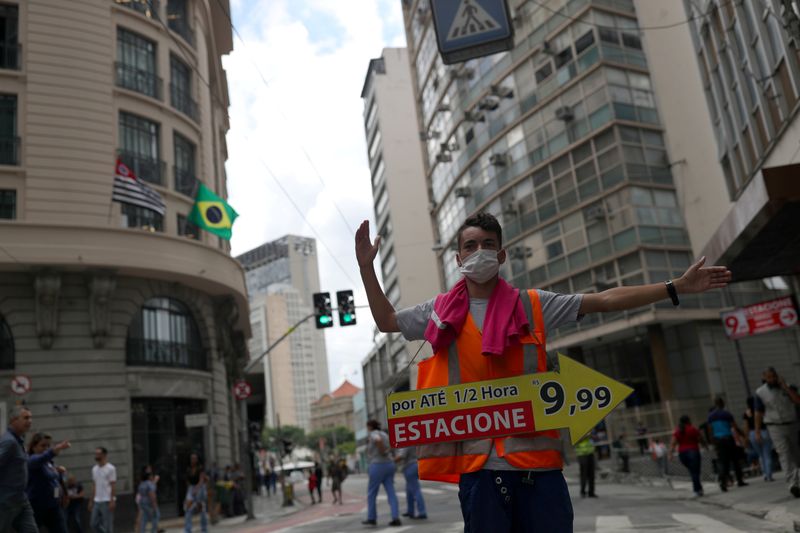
{"points": [[338, 435], [274, 437]]}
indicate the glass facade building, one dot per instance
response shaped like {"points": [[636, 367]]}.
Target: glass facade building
{"points": [[561, 139]]}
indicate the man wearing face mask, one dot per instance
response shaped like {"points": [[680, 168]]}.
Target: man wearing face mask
{"points": [[483, 329], [775, 402]]}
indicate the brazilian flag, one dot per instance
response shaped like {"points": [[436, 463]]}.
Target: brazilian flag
{"points": [[212, 213]]}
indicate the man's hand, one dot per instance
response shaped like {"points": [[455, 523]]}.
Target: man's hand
{"points": [[700, 279], [365, 249], [91, 504], [61, 446], [112, 504], [759, 438]]}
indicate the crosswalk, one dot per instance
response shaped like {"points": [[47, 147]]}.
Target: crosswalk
{"points": [[684, 522]]}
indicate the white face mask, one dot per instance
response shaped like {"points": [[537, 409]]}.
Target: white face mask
{"points": [[481, 266]]}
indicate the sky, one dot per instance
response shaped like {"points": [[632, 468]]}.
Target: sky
{"points": [[295, 80]]}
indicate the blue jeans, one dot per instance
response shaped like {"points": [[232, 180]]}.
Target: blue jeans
{"points": [[191, 511], [764, 451], [413, 490], [691, 460], [381, 474], [149, 514], [509, 501], [102, 518]]}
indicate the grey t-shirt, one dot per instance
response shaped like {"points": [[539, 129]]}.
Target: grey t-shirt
{"points": [[374, 454], [557, 310]]}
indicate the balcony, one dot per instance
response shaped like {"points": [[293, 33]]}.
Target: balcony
{"points": [[141, 352], [181, 27], [9, 150], [144, 167], [185, 181], [138, 80], [10, 56], [183, 102], [148, 8]]}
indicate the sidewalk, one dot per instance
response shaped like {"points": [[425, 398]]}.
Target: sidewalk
{"points": [[769, 501], [272, 516]]}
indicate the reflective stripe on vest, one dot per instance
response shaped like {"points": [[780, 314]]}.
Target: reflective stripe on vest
{"points": [[532, 451]]}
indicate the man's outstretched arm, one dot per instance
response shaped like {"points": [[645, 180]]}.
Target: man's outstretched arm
{"points": [[382, 310], [696, 279]]}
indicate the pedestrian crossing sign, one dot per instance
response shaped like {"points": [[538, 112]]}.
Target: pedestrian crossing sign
{"points": [[466, 29]]}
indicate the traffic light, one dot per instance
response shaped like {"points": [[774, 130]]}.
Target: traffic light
{"points": [[347, 308], [323, 316]]}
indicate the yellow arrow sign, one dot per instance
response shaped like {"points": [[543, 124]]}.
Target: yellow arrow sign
{"points": [[576, 397]]}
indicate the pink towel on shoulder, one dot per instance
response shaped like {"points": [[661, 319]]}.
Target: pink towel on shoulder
{"points": [[504, 323]]}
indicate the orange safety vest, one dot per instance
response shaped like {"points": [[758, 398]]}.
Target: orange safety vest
{"points": [[463, 362]]}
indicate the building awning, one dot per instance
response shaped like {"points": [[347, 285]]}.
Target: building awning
{"points": [[760, 236]]}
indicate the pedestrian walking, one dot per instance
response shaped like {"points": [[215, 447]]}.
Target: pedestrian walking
{"points": [[406, 458], [658, 451], [586, 461], [641, 437], [318, 473], [763, 449], [45, 491], [312, 485], [775, 408], [381, 472], [104, 493], [492, 330], [623, 456], [148, 502], [687, 440], [76, 496], [337, 473], [196, 500], [16, 513], [723, 430]]}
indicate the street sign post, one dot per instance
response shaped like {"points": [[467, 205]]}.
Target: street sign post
{"points": [[466, 29], [576, 397], [242, 390], [21, 384], [761, 317]]}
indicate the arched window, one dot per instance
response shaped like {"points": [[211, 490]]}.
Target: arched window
{"points": [[6, 346], [164, 333]]}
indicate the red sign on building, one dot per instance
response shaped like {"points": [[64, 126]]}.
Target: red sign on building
{"points": [[760, 318], [242, 390]]}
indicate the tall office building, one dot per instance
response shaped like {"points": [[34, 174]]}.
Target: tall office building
{"points": [[728, 85], [561, 139], [407, 264], [281, 277], [123, 321]]}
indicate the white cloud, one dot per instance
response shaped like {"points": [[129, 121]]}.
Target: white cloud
{"points": [[314, 55]]}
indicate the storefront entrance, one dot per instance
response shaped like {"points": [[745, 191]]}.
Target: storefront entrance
{"points": [[161, 439]]}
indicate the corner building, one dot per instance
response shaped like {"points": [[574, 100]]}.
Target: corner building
{"points": [[125, 321], [561, 139]]}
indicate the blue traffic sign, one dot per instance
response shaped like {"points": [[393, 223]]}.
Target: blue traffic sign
{"points": [[466, 29]]}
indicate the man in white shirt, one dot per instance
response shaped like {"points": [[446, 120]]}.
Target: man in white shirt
{"points": [[775, 402], [104, 494]]}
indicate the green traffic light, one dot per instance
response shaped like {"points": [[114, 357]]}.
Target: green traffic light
{"points": [[325, 319], [348, 317]]}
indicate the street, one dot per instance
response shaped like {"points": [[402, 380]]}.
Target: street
{"points": [[620, 507]]}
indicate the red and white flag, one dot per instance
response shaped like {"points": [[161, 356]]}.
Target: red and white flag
{"points": [[130, 190]]}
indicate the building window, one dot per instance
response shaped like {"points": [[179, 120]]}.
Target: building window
{"points": [[6, 346], [136, 64], [139, 147], [164, 333], [187, 229], [178, 19], [185, 176], [180, 88], [9, 142], [8, 204], [148, 8], [9, 37], [139, 217]]}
